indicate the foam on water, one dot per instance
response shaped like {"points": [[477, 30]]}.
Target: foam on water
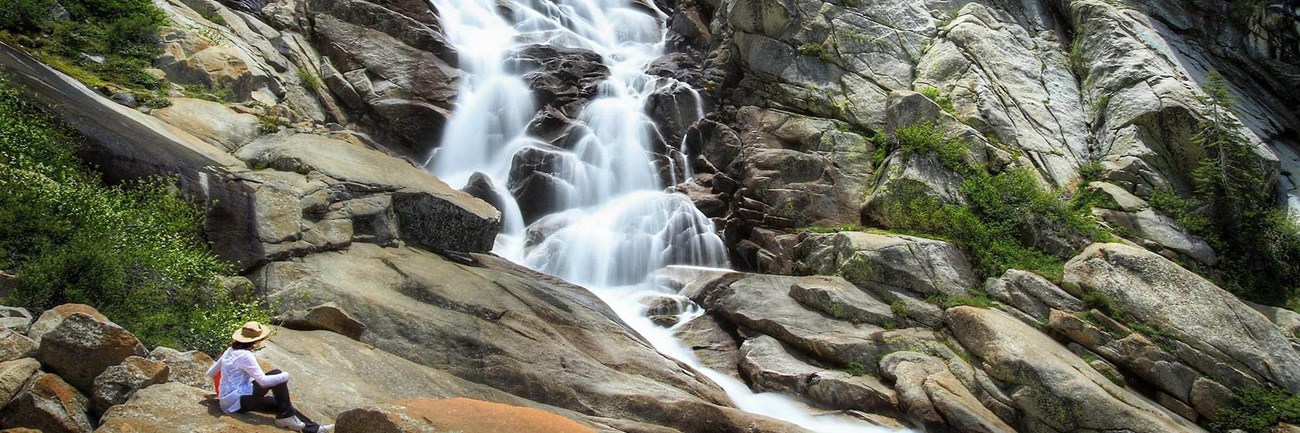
{"points": [[617, 224]]}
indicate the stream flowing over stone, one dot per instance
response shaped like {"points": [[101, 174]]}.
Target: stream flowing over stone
{"points": [[596, 200]]}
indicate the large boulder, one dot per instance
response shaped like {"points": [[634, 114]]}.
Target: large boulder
{"points": [[768, 366], [1161, 233], [331, 374], [457, 414], [190, 368], [51, 318], [712, 344], [429, 213], [1210, 323], [761, 303], [328, 317], [83, 346], [1051, 386], [117, 383], [870, 260], [50, 405], [13, 374], [482, 323]]}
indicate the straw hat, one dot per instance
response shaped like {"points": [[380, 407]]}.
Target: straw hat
{"points": [[252, 332]]}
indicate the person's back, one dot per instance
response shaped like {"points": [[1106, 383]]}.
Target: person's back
{"points": [[235, 382]]}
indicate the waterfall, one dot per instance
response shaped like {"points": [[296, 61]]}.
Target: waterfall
{"points": [[613, 222]]}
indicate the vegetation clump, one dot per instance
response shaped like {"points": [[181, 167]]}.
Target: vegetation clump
{"points": [[99, 42], [132, 251], [1233, 207], [1259, 410], [1004, 210]]}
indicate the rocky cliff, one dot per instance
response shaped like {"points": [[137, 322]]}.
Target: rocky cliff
{"points": [[312, 170]]}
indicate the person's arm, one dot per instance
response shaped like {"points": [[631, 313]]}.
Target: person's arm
{"points": [[216, 366], [248, 364]]}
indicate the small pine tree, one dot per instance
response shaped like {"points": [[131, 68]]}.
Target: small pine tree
{"points": [[1257, 242]]}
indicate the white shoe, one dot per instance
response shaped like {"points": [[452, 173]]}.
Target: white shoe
{"points": [[291, 423], [327, 428]]}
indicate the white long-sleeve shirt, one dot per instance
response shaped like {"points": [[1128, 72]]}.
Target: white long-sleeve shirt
{"points": [[239, 369]]}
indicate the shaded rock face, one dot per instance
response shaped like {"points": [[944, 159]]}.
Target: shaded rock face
{"points": [[390, 64], [459, 414]]}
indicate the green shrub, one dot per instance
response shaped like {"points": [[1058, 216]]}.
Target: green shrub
{"points": [[936, 95], [211, 93], [814, 49], [133, 251], [1005, 210], [925, 139], [855, 368], [1259, 411], [25, 15], [123, 32]]}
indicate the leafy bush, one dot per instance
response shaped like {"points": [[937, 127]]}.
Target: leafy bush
{"points": [[132, 251], [855, 369], [936, 95], [1259, 411], [24, 15], [1006, 210], [123, 32]]}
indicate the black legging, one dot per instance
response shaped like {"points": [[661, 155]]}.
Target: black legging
{"points": [[277, 403]]}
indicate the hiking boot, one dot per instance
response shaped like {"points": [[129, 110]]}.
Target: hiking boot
{"points": [[291, 423]]}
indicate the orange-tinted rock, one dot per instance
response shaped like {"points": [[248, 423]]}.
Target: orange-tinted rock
{"points": [[50, 405], [457, 414], [51, 318], [83, 345]]}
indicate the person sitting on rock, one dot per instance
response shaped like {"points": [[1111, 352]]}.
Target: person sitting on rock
{"points": [[242, 386]]}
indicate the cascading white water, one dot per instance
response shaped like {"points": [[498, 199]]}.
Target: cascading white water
{"points": [[617, 224]]}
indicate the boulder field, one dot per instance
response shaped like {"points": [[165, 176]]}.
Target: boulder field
{"points": [[396, 317]]}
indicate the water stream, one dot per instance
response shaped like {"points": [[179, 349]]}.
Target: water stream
{"points": [[616, 224]]}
